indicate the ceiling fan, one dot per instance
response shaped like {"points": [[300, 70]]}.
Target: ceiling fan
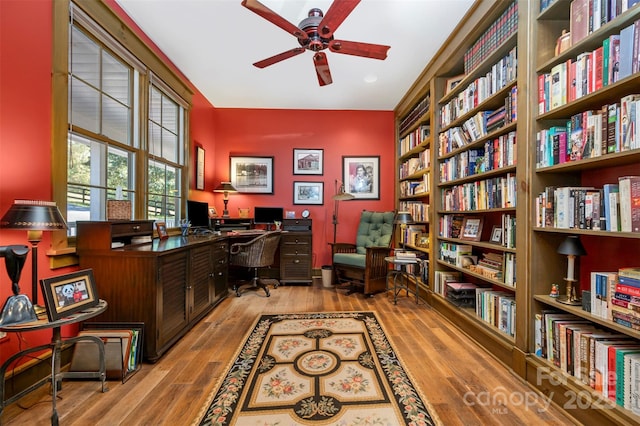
{"points": [[315, 33]]}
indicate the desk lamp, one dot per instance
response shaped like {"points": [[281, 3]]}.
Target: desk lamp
{"points": [[225, 188], [340, 195], [18, 308], [402, 219], [34, 217], [571, 247]]}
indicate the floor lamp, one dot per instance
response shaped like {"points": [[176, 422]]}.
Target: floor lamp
{"points": [[34, 217], [340, 195], [226, 188]]}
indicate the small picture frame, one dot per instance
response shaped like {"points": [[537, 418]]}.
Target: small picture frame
{"points": [[308, 161], [496, 235], [161, 228], [70, 293], [199, 168], [212, 212], [452, 82], [471, 229], [308, 193], [290, 214]]}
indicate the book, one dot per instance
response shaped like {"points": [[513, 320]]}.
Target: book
{"points": [[626, 52], [631, 272], [621, 379], [629, 189], [607, 190], [579, 20]]}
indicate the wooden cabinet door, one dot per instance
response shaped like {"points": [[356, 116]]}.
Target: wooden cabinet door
{"points": [[199, 296], [172, 285]]}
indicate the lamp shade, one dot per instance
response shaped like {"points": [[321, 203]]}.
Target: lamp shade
{"points": [[340, 195], [33, 215], [403, 218], [225, 187], [572, 246]]}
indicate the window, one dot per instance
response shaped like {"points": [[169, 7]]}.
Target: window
{"points": [[111, 94]]}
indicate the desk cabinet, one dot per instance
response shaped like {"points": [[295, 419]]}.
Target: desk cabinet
{"points": [[296, 254], [167, 284]]}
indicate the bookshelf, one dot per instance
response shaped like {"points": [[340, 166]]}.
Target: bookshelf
{"points": [[586, 168]]}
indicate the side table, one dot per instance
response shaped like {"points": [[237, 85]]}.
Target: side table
{"points": [[403, 277], [56, 349]]}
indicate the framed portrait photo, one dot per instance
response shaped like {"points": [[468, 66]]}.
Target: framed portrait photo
{"points": [[471, 229], [361, 177], [308, 193], [308, 161], [252, 174], [68, 294], [496, 235], [161, 228]]}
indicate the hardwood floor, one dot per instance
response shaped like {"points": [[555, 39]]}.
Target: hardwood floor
{"points": [[464, 384]]}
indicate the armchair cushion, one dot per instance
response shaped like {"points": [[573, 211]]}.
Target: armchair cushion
{"points": [[375, 230]]}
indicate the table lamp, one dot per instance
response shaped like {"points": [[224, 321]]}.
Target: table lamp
{"points": [[402, 219], [225, 188], [34, 217], [18, 308], [340, 195], [571, 247]]}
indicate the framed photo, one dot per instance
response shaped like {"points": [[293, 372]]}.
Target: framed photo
{"points": [[308, 193], [496, 235], [452, 82], [68, 294], [212, 212], [161, 227], [361, 177], [199, 168], [308, 161], [471, 229], [252, 174]]}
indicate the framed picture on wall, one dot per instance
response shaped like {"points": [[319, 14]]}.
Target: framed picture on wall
{"points": [[361, 177], [252, 174], [308, 193], [199, 168], [307, 161]]}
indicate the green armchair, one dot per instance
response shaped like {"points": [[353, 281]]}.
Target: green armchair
{"points": [[362, 264]]}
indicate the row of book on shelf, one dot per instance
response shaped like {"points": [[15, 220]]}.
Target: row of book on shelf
{"points": [[420, 109], [415, 164], [606, 361], [123, 343], [587, 16], [615, 296], [415, 235], [420, 186], [413, 139], [502, 74], [494, 154], [493, 37], [497, 192], [615, 207], [494, 266], [611, 129], [495, 307], [479, 125], [616, 59]]}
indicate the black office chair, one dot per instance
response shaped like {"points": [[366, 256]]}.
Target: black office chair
{"points": [[257, 253]]}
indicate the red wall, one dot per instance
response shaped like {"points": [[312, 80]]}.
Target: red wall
{"points": [[263, 132]]}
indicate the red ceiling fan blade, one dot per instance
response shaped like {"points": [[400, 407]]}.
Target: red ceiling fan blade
{"points": [[279, 57], [338, 12], [322, 69], [367, 50], [256, 7]]}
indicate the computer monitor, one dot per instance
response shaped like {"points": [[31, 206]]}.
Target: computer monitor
{"points": [[267, 215], [198, 214]]}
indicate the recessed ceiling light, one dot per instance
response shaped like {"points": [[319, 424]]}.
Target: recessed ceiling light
{"points": [[370, 78]]}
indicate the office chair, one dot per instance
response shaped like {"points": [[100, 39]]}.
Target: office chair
{"points": [[257, 253]]}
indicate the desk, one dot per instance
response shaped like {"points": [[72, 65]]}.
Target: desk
{"points": [[56, 348], [403, 276]]}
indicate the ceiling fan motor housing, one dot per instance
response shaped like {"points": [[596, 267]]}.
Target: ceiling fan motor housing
{"points": [[309, 25]]}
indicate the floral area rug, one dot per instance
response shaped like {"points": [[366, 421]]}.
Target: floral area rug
{"points": [[335, 368]]}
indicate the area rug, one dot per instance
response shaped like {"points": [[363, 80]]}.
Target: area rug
{"points": [[335, 368]]}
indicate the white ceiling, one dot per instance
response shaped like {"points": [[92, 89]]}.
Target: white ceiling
{"points": [[215, 42]]}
